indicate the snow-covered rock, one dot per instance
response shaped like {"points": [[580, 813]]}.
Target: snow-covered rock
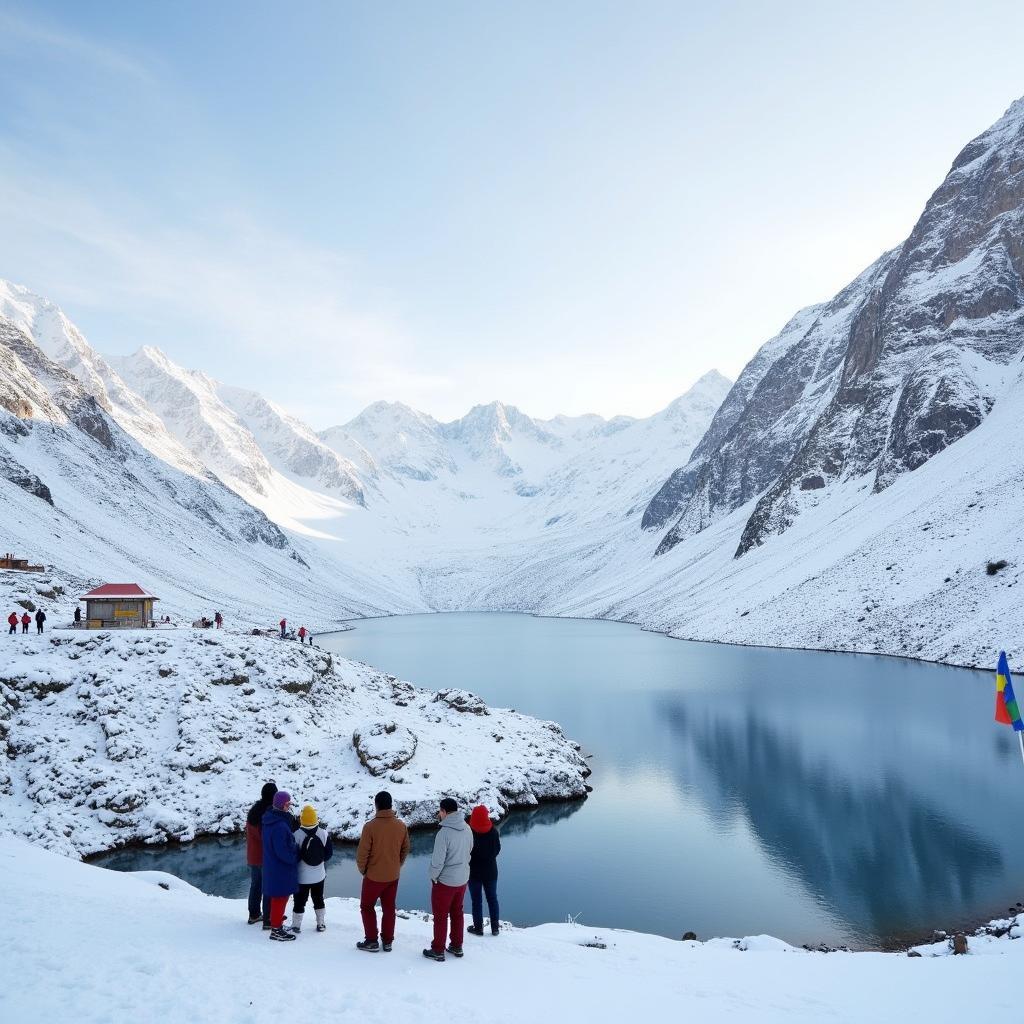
{"points": [[151, 735]]}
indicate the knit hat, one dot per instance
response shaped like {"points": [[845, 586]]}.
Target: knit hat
{"points": [[308, 818], [480, 820], [282, 797]]}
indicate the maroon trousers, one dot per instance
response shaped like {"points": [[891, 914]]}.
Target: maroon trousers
{"points": [[278, 905], [386, 892], [445, 904]]}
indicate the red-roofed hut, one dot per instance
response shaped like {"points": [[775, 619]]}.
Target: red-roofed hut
{"points": [[118, 606]]}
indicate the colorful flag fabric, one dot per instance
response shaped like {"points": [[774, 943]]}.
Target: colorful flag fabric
{"points": [[1007, 710]]}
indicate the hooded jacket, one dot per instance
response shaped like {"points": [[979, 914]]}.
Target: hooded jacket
{"points": [[483, 863], [453, 844], [280, 854]]}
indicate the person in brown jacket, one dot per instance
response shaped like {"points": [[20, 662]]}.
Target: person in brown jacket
{"points": [[382, 850]]}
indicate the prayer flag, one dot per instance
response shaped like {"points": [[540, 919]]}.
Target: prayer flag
{"points": [[1007, 710]]}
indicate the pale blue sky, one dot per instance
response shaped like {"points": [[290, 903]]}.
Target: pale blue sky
{"points": [[571, 206]]}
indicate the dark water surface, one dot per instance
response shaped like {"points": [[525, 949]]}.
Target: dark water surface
{"points": [[816, 797]]}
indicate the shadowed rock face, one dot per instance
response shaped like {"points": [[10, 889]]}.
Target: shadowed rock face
{"points": [[902, 363]]}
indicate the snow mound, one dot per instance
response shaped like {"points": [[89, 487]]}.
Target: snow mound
{"points": [[114, 738]]}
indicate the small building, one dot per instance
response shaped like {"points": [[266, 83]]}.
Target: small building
{"points": [[118, 606], [8, 561]]}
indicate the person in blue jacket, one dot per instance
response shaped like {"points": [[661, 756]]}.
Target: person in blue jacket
{"points": [[280, 863]]}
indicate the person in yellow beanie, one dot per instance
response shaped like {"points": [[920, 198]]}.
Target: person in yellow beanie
{"points": [[315, 850]]}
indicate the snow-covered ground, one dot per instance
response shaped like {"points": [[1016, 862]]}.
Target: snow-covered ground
{"points": [[108, 947], [166, 734]]}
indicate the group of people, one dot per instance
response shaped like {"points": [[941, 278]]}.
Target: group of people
{"points": [[26, 621], [287, 857], [301, 633]]}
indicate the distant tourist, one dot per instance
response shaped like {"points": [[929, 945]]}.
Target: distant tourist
{"points": [[40, 619], [383, 847], [78, 615], [280, 862], [259, 901], [483, 870], [302, 634], [12, 621], [449, 873], [26, 619], [315, 850], [218, 619], [283, 624]]}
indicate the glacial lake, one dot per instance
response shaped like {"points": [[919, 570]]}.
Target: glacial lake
{"points": [[845, 799]]}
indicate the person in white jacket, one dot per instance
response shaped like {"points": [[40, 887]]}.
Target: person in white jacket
{"points": [[315, 849]]}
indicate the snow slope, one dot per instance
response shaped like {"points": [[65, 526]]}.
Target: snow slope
{"points": [[80, 494], [160, 949], [152, 735]]}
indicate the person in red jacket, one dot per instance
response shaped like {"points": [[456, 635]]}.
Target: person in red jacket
{"points": [[26, 621], [302, 634], [259, 904], [283, 624], [12, 621]]}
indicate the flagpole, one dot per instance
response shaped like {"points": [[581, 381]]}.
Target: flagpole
{"points": [[1020, 736]]}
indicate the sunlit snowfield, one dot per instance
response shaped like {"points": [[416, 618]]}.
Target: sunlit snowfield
{"points": [[816, 797]]}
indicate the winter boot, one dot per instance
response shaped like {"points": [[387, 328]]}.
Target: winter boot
{"points": [[321, 924], [475, 929], [455, 951], [368, 945], [282, 935], [432, 954], [495, 927], [296, 923], [256, 919]]}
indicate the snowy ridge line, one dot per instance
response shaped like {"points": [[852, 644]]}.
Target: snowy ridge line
{"points": [[150, 736], [171, 951]]}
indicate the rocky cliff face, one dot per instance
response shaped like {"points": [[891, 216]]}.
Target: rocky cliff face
{"points": [[906, 360]]}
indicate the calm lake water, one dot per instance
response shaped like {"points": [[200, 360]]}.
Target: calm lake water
{"points": [[816, 797]]}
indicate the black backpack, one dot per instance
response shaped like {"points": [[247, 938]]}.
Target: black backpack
{"points": [[312, 850]]}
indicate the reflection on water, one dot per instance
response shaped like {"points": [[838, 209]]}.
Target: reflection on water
{"points": [[835, 798], [876, 850]]}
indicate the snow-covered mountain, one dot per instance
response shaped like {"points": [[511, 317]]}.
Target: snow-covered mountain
{"points": [[907, 359], [80, 494], [851, 489], [368, 509]]}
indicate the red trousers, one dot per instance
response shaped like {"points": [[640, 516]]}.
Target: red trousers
{"points": [[278, 905], [386, 892], [445, 904]]}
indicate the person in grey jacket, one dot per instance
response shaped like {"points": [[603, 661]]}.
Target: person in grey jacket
{"points": [[449, 873]]}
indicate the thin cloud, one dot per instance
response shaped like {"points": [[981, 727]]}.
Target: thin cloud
{"points": [[20, 31]]}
